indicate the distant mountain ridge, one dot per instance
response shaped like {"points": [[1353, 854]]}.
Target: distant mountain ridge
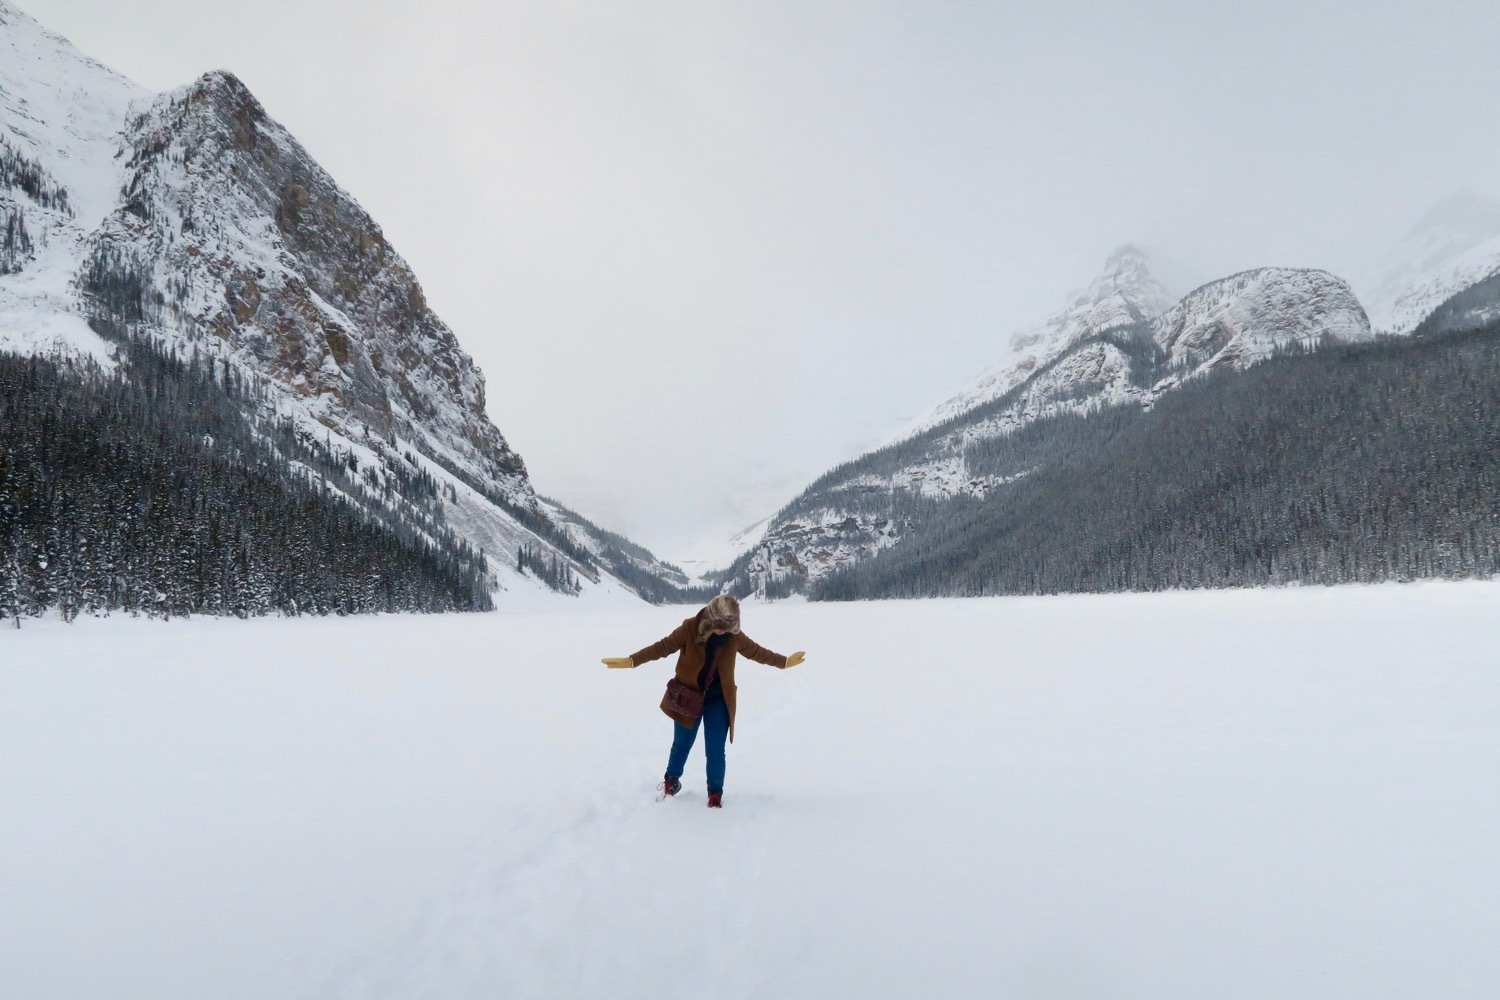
{"points": [[1442, 276], [1355, 462], [1119, 343]]}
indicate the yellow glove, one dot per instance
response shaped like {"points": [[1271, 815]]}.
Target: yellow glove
{"points": [[794, 659], [618, 662]]}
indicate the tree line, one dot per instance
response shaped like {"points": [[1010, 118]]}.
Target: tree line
{"points": [[551, 568], [21, 173], [148, 489], [15, 240]]}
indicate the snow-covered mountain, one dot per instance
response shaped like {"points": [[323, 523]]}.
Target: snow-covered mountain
{"points": [[1122, 340], [194, 220], [1454, 247], [1119, 343]]}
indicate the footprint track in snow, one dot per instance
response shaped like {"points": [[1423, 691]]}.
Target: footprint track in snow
{"points": [[623, 896]]}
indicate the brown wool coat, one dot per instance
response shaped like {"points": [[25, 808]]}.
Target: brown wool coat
{"points": [[689, 649]]}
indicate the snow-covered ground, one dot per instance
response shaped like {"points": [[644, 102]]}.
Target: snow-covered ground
{"points": [[1231, 795]]}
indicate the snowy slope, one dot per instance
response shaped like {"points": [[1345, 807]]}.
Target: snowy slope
{"points": [[65, 110], [195, 220], [62, 117], [1236, 795], [1456, 245], [632, 565]]}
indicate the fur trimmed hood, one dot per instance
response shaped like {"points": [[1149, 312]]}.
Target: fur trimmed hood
{"points": [[723, 612]]}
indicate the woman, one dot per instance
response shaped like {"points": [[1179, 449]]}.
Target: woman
{"points": [[706, 646]]}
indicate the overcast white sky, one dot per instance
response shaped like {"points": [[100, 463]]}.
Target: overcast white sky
{"points": [[705, 250]]}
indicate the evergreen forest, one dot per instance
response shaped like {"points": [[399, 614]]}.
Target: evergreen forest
{"points": [[1346, 464], [148, 489]]}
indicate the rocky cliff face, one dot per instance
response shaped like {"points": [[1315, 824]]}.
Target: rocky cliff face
{"points": [[1115, 345], [1247, 317], [236, 235]]}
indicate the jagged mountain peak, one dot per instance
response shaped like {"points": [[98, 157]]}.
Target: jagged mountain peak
{"points": [[221, 96], [224, 95], [226, 82], [1124, 292]]}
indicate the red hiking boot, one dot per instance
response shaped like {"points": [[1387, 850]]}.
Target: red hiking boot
{"points": [[670, 786], [716, 800]]}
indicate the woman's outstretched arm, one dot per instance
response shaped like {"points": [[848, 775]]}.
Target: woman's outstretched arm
{"points": [[761, 654], [655, 651]]}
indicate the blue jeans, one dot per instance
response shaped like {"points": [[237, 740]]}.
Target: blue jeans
{"points": [[715, 723]]}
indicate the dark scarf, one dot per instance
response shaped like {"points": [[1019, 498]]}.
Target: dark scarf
{"points": [[714, 691]]}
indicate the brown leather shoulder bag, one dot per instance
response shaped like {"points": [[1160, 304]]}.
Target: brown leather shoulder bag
{"points": [[683, 702]]}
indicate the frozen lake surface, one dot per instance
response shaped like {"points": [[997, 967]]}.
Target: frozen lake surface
{"points": [[1289, 794]]}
